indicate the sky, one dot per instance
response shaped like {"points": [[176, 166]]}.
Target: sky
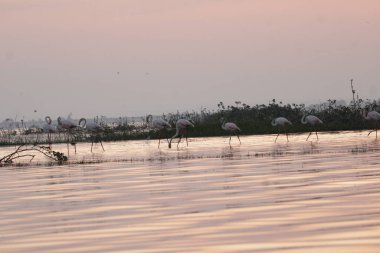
{"points": [[137, 57]]}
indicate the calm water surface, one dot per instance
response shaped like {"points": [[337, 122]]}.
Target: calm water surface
{"points": [[255, 197]]}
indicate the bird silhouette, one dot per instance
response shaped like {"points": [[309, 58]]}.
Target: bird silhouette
{"points": [[69, 127], [230, 127], [158, 125], [313, 121], [49, 129], [181, 129], [373, 116], [281, 122], [94, 129]]}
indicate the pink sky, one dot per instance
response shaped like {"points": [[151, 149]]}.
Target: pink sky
{"points": [[177, 54]]}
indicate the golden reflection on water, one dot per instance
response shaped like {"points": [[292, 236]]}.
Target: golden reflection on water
{"points": [[255, 197]]}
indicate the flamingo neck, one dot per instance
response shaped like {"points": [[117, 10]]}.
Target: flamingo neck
{"points": [[303, 120], [82, 120], [149, 118], [48, 120]]}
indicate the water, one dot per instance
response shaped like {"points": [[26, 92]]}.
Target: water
{"points": [[256, 197]]}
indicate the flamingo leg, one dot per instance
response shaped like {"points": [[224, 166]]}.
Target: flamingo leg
{"points": [[180, 138], [101, 144], [174, 136], [317, 135], [166, 135], [159, 138], [49, 141], [230, 140], [278, 134], [372, 132], [184, 133], [287, 138], [92, 143], [74, 144], [36, 141], [238, 138], [68, 143], [308, 136], [276, 138]]}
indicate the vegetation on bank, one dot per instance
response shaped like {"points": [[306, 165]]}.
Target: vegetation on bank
{"points": [[256, 119], [251, 119]]}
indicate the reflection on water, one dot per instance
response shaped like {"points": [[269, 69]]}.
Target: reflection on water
{"points": [[255, 197], [252, 146]]}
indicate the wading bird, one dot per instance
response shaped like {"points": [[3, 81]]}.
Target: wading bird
{"points": [[181, 129], [158, 125], [69, 127], [281, 122], [373, 116], [49, 129], [313, 121], [94, 129], [230, 127]]}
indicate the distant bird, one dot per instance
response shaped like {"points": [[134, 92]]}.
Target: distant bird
{"points": [[69, 127], [281, 122], [49, 128], [230, 127], [373, 116], [313, 121], [94, 129], [66, 124], [181, 129], [158, 125]]}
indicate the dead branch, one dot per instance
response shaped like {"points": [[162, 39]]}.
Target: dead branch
{"points": [[25, 151]]}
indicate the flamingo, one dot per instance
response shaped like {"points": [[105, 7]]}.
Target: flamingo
{"points": [[181, 128], [69, 126], [281, 122], [313, 121], [230, 127], [158, 125], [375, 117], [49, 128], [94, 128]]}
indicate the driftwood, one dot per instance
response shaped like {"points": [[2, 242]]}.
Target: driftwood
{"points": [[27, 151]]}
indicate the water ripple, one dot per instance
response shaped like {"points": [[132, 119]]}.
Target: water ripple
{"points": [[257, 197]]}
